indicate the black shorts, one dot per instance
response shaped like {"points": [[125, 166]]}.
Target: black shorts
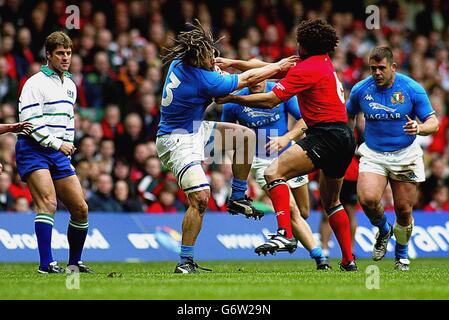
{"points": [[330, 146], [348, 193]]}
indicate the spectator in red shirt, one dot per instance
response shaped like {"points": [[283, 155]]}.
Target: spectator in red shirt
{"points": [[151, 185], [218, 191], [166, 200], [440, 200], [18, 188], [111, 124]]}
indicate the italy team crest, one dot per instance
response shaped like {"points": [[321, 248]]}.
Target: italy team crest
{"points": [[397, 97]]}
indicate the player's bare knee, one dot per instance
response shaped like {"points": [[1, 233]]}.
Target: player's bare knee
{"points": [[48, 205], [80, 211], [200, 201], [243, 136], [403, 212], [305, 211], [369, 203], [271, 174]]}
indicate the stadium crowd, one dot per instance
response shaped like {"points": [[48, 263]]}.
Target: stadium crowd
{"points": [[119, 75]]}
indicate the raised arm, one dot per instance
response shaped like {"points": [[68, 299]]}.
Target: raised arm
{"points": [[242, 65], [257, 75], [267, 100]]}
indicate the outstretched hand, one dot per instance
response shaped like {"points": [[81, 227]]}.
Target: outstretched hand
{"points": [[276, 144], [223, 63], [287, 63], [19, 127], [225, 99], [218, 69]]}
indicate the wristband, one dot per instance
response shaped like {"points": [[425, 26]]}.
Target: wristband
{"points": [[416, 125]]}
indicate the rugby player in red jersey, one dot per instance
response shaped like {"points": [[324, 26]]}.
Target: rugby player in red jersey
{"points": [[329, 144]]}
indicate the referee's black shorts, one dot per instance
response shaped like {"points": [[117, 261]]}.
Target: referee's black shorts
{"points": [[330, 146]]}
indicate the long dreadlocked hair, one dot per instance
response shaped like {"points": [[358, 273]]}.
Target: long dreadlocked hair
{"points": [[317, 37], [193, 47]]}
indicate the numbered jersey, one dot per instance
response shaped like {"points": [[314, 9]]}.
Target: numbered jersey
{"points": [[187, 93], [320, 93]]}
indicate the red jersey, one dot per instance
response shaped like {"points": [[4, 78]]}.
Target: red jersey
{"points": [[320, 93], [352, 173]]}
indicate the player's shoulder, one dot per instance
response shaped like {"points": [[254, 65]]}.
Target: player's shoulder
{"points": [[362, 85], [409, 83], [178, 67], [36, 78], [314, 62], [70, 82], [36, 82]]}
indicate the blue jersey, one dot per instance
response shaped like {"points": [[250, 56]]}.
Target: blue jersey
{"points": [[186, 94], [385, 110], [265, 122]]}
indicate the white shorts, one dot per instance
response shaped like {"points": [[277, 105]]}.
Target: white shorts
{"points": [[259, 166], [182, 154], [403, 165]]}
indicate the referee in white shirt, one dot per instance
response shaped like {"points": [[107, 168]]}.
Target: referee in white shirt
{"points": [[43, 157]]}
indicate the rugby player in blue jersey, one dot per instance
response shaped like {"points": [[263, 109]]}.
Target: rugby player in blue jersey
{"points": [[191, 83], [272, 138], [391, 102]]}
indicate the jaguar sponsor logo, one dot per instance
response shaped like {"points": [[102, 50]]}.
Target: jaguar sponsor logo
{"points": [[378, 106]]}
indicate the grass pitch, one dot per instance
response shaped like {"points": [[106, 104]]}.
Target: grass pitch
{"points": [[232, 280]]}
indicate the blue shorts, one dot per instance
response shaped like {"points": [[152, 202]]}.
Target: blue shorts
{"points": [[31, 156]]}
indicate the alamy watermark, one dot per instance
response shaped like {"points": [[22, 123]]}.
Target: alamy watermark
{"points": [[372, 281], [225, 146], [373, 19], [73, 19], [72, 282]]}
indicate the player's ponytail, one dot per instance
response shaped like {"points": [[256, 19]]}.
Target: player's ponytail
{"points": [[194, 47]]}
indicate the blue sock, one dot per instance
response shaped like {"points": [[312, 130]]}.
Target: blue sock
{"points": [[186, 253], [239, 188], [383, 226], [43, 226], [317, 254], [76, 235], [401, 251]]}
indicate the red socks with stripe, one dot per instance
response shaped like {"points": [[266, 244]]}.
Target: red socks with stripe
{"points": [[280, 196], [339, 222]]}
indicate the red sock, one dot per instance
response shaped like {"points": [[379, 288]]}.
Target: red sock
{"points": [[280, 196], [339, 223]]}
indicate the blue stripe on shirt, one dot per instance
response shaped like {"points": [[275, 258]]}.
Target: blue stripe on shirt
{"points": [[60, 101], [29, 106], [38, 128], [197, 187], [55, 126]]}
